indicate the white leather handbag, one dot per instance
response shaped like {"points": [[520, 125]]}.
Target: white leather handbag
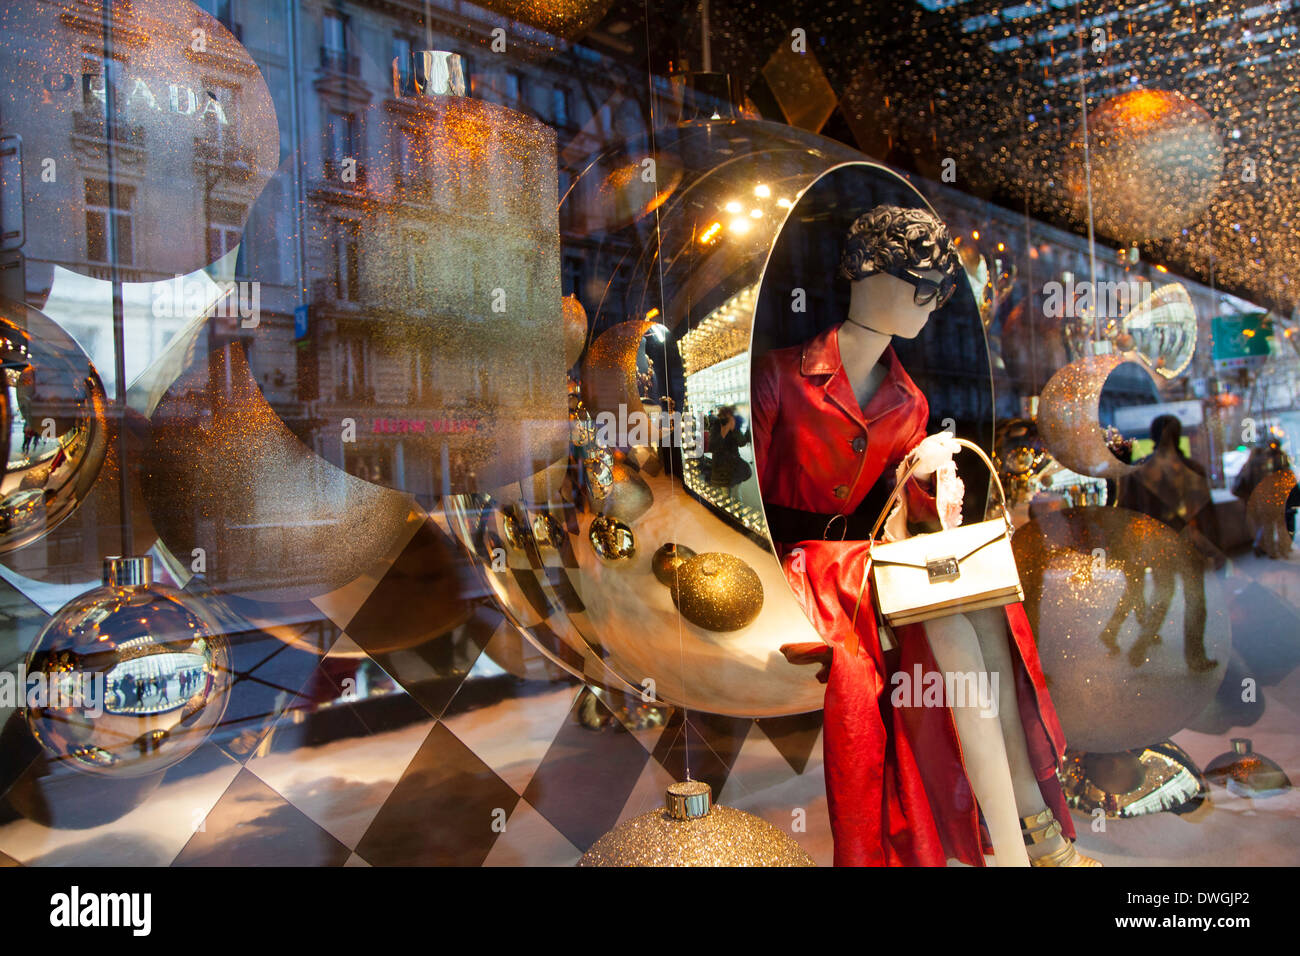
{"points": [[946, 572]]}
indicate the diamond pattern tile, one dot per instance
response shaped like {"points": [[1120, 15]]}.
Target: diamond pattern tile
{"points": [[587, 774], [252, 825], [510, 706], [530, 840], [797, 737], [339, 759], [447, 810]]}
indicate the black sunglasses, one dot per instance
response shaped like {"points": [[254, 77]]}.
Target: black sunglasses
{"points": [[927, 289]]}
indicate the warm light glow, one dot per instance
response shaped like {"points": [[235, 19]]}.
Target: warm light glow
{"points": [[784, 203], [651, 314], [762, 191], [756, 213], [1161, 269], [1002, 247], [740, 226], [708, 234], [732, 206], [975, 234]]}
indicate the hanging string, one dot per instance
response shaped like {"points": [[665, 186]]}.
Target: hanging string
{"points": [[672, 476], [115, 275], [1087, 170]]}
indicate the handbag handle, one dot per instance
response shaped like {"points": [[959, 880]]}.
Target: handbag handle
{"points": [[851, 642]]}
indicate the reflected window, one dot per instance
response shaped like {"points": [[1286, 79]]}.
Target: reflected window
{"points": [[98, 213], [347, 259], [334, 45], [560, 106], [353, 367], [224, 222], [341, 133]]}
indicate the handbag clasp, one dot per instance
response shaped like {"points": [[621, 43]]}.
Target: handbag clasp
{"points": [[943, 569]]}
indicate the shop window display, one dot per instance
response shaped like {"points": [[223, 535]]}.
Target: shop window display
{"points": [[466, 394]]}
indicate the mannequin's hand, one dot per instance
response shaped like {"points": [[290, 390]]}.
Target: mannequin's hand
{"points": [[933, 453]]}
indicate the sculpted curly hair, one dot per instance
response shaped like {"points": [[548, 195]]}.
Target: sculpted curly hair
{"points": [[891, 238]]}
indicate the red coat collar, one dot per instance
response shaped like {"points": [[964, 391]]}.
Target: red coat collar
{"points": [[821, 356]]}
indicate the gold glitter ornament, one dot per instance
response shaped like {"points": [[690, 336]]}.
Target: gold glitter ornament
{"points": [[194, 126], [1068, 416], [568, 19], [56, 431], [276, 521], [628, 496], [1132, 633], [718, 591], [575, 330], [154, 654], [609, 380], [692, 831], [1155, 159], [668, 560]]}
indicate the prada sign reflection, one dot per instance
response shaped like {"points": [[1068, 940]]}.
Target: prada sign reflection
{"points": [[133, 93]]}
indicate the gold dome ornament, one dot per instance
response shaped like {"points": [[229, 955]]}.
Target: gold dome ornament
{"points": [[667, 560], [718, 591], [132, 676], [691, 831]]}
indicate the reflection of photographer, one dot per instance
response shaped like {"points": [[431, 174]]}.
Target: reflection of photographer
{"points": [[727, 433]]}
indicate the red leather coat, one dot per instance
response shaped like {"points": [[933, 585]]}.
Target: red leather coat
{"points": [[896, 785]]}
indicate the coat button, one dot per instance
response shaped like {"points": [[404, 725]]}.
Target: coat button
{"points": [[859, 444], [841, 491]]}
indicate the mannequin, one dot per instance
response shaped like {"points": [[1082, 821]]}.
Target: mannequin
{"points": [[834, 420]]}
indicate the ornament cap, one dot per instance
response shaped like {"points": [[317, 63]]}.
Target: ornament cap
{"points": [[120, 572], [1241, 745], [430, 73], [688, 800]]}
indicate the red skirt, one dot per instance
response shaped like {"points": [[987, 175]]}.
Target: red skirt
{"points": [[896, 786]]}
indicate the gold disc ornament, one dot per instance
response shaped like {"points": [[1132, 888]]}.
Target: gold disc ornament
{"points": [[227, 483], [1154, 158], [193, 130]]}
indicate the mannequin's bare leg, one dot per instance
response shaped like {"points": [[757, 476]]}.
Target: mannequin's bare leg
{"points": [[990, 625], [956, 648]]}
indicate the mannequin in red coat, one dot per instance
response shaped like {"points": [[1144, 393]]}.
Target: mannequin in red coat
{"points": [[836, 419]]}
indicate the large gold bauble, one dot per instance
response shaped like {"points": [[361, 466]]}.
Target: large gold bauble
{"points": [[1095, 580], [568, 19], [1068, 417], [1155, 159], [718, 592], [156, 657], [55, 429], [275, 521], [195, 126], [692, 831]]}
